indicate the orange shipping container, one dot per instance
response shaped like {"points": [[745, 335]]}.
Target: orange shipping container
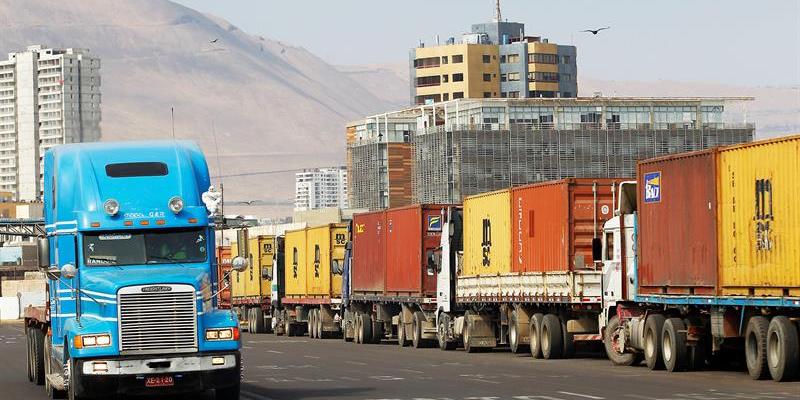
{"points": [[553, 223]]}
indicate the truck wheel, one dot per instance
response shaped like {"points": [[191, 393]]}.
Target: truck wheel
{"points": [[514, 335], [755, 347], [535, 332], [258, 320], [288, 327], [51, 392], [249, 315], [441, 333], [29, 353], [401, 331], [321, 334], [468, 333], [783, 349], [312, 323], [357, 327], [365, 323], [72, 384], [416, 328], [228, 393], [347, 323], [551, 337], [617, 355], [569, 341], [673, 345], [37, 353], [652, 341]]}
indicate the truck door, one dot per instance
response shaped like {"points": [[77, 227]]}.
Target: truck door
{"points": [[66, 302]]}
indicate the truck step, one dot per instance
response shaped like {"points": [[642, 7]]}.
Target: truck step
{"points": [[57, 381]]}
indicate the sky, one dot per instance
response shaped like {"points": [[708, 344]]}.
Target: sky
{"points": [[738, 42]]}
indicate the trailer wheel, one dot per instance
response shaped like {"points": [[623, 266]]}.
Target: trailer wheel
{"points": [[312, 323], [535, 332], [73, 378], [514, 329], [401, 331], [569, 341], [617, 355], [783, 349], [441, 333], [288, 327], [673, 345], [29, 353], [37, 352], [468, 333], [755, 348], [321, 334], [258, 320], [416, 327], [348, 323], [652, 341], [551, 337], [365, 328]]}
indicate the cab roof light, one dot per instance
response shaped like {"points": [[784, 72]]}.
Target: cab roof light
{"points": [[144, 222], [95, 225], [160, 222], [192, 220], [128, 223]]}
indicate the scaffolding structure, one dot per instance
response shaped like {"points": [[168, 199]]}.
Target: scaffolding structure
{"points": [[450, 164]]}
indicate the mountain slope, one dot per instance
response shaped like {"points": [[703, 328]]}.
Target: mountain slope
{"points": [[274, 106]]}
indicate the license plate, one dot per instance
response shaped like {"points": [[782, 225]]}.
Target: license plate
{"points": [[159, 381]]}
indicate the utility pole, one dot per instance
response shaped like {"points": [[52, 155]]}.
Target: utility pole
{"points": [[497, 15]]}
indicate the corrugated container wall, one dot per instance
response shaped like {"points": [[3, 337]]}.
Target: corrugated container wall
{"points": [[553, 223], [223, 255], [295, 272], [322, 245], [369, 253], [760, 218], [412, 232], [266, 252], [487, 231], [678, 229]]}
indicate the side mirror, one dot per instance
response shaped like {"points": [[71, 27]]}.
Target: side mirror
{"points": [[68, 271], [434, 261], [239, 264], [597, 250], [43, 250]]}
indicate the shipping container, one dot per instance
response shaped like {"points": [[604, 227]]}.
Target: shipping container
{"points": [[759, 223], [487, 234], [295, 263], [413, 234], [554, 223], [238, 279], [259, 258], [369, 253], [223, 257], [677, 197], [323, 245]]}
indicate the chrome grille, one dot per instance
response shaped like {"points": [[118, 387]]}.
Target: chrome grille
{"points": [[157, 321]]}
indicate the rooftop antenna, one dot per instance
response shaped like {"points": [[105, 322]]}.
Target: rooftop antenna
{"points": [[497, 15]]}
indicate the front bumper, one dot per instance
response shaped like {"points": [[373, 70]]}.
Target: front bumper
{"points": [[127, 376]]}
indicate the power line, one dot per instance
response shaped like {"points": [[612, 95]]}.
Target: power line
{"points": [[277, 171]]}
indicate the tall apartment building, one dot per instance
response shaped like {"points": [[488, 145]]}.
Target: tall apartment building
{"points": [[443, 152], [47, 97], [321, 188], [496, 59]]}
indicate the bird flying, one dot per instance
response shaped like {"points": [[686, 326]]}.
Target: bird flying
{"points": [[595, 31], [214, 41], [248, 202]]}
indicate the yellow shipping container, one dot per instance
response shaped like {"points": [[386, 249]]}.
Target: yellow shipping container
{"points": [[759, 222], [322, 246], [295, 272], [238, 279], [259, 258], [487, 234]]}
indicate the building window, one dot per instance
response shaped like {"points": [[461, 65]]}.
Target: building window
{"points": [[458, 95], [503, 95], [565, 77], [458, 77], [542, 76], [513, 95], [487, 77], [566, 59], [487, 95], [458, 59], [567, 94], [540, 58], [444, 59], [426, 62], [446, 96], [502, 59], [513, 76], [428, 81], [445, 78], [487, 59], [503, 77], [513, 58]]}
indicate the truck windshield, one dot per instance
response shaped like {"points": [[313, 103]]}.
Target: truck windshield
{"points": [[144, 247]]}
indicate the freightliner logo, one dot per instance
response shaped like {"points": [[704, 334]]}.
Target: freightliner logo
{"points": [[151, 289]]}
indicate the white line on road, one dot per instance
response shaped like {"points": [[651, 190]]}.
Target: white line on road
{"points": [[355, 363], [274, 351], [586, 396]]}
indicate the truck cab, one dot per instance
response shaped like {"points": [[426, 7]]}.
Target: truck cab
{"points": [[132, 274]]}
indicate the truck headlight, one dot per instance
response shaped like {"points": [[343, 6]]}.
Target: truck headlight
{"points": [[222, 334], [176, 204], [111, 207], [101, 340]]}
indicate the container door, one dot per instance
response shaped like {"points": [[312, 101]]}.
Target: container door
{"points": [[338, 243], [266, 253]]}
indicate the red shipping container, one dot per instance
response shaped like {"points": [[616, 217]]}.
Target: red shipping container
{"points": [[553, 222], [677, 224], [412, 233], [223, 254], [369, 253]]}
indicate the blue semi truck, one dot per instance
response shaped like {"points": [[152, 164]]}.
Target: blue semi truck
{"points": [[132, 280]]}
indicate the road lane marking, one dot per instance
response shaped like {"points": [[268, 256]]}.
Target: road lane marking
{"points": [[314, 357], [537, 398], [586, 396], [274, 351], [355, 363], [387, 378]]}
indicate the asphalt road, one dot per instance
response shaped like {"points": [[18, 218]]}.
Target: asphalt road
{"points": [[302, 368]]}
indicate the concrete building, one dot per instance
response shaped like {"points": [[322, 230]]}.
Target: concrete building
{"points": [[470, 146], [496, 59], [321, 188], [47, 97]]}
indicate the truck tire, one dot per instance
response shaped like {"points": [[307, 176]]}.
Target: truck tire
{"points": [[673, 345], [321, 334], [312, 323], [258, 320], [51, 392], [72, 384], [535, 333], [288, 326], [416, 328], [514, 335], [441, 333], [783, 349], [552, 337], [28, 354], [37, 352], [228, 393], [617, 355], [755, 347], [248, 313], [377, 332], [347, 323], [568, 342], [653, 328], [402, 341], [467, 333], [365, 323]]}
